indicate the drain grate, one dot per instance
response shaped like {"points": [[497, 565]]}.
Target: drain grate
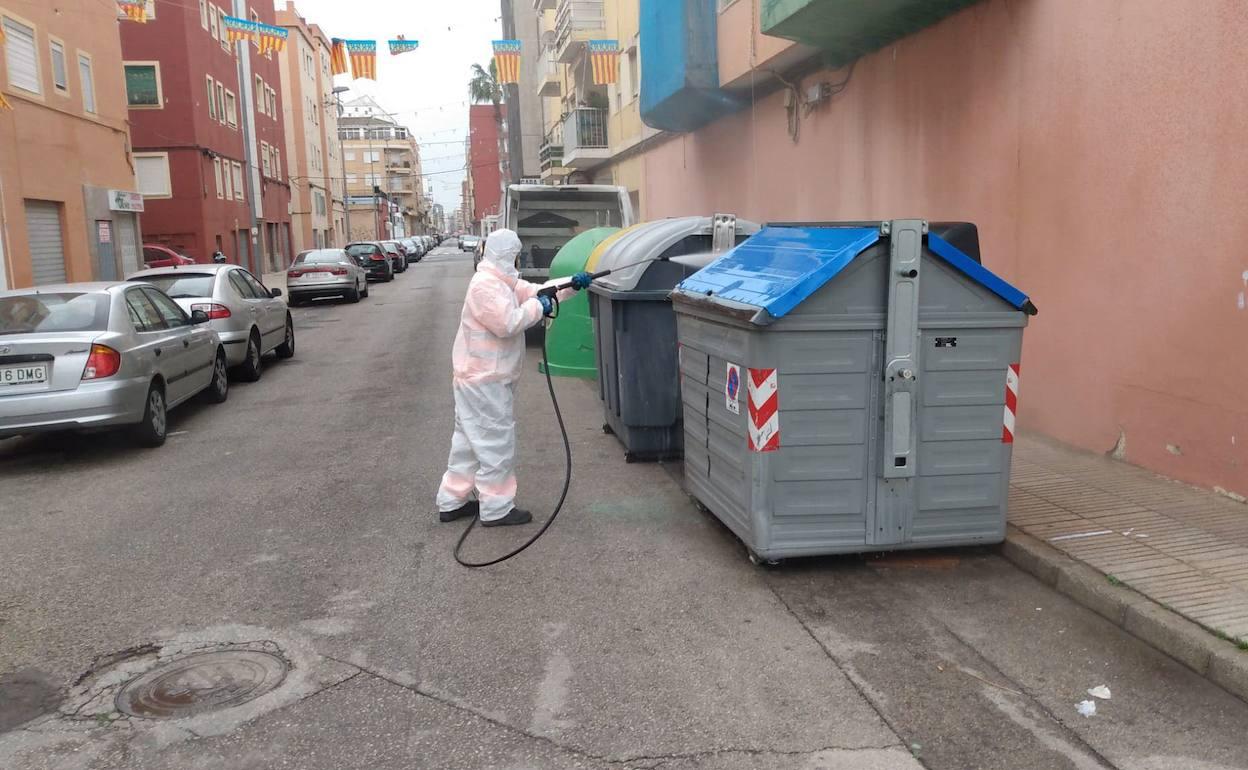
{"points": [[202, 682]]}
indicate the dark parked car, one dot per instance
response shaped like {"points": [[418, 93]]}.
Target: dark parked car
{"points": [[374, 258], [397, 257], [413, 248]]}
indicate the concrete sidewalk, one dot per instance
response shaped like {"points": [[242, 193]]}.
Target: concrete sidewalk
{"points": [[1182, 548]]}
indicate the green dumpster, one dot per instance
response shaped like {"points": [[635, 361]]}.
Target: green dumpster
{"points": [[570, 337]]}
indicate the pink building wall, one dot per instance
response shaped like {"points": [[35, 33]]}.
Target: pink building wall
{"points": [[1099, 148]]}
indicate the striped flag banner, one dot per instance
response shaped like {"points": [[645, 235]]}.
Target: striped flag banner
{"points": [[338, 56], [363, 55], [272, 38], [604, 57], [241, 29], [507, 60], [402, 45], [134, 10]]}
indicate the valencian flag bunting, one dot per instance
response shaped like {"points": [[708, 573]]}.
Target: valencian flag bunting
{"points": [[402, 45], [604, 57], [363, 58], [272, 38], [507, 61], [266, 37], [338, 56], [135, 10]]}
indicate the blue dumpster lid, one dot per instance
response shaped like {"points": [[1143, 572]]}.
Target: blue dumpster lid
{"points": [[780, 267]]}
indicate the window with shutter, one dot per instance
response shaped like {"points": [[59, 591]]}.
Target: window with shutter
{"points": [[236, 169], [216, 173], [264, 159], [152, 174], [203, 13], [88, 83], [20, 56], [60, 69], [212, 97], [231, 109]]}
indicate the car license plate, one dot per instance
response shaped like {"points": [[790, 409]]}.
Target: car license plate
{"points": [[321, 276], [23, 375]]}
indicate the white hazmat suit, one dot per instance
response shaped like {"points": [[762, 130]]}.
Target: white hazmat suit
{"points": [[487, 359]]}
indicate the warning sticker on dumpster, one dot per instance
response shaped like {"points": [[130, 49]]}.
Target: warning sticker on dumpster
{"points": [[732, 389]]}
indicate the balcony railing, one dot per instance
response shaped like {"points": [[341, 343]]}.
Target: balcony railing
{"points": [[577, 21], [552, 76], [585, 128]]}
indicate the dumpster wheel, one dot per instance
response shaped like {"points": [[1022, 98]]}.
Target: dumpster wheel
{"points": [[759, 561]]}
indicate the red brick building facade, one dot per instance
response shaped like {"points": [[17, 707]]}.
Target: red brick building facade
{"points": [[483, 160], [195, 109]]}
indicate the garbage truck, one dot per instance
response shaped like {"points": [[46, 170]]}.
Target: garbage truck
{"points": [[547, 217]]}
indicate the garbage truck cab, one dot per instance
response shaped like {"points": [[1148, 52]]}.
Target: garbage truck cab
{"points": [[547, 217]]}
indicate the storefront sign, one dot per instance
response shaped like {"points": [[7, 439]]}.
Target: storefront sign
{"points": [[105, 230], [120, 200]]}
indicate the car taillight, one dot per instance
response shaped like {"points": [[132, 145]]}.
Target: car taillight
{"points": [[339, 271], [294, 273], [103, 362], [214, 310]]}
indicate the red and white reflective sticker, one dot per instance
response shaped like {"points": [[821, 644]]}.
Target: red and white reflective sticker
{"points": [[764, 422], [1011, 403]]}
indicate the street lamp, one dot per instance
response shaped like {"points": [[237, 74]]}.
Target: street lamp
{"points": [[346, 205]]}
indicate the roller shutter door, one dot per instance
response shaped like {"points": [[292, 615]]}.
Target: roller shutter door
{"points": [[47, 250]]}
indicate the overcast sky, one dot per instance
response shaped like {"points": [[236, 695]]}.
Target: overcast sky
{"points": [[428, 87]]}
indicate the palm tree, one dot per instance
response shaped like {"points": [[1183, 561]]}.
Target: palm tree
{"points": [[484, 88]]}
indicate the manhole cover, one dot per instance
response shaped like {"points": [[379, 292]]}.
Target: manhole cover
{"points": [[203, 682]]}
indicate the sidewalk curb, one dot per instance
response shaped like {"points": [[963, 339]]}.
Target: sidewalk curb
{"points": [[1217, 660]]}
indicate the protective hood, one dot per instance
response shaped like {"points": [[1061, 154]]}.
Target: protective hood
{"points": [[501, 250]]}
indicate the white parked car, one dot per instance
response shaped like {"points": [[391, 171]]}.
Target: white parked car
{"points": [[251, 319], [326, 273], [84, 356]]}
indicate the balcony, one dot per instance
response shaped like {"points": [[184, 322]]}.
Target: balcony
{"points": [[585, 138], [552, 77], [847, 29], [576, 22]]}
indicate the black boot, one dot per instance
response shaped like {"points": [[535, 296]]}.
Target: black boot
{"points": [[516, 516], [470, 508]]}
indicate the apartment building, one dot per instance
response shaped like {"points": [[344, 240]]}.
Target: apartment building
{"points": [[68, 203], [314, 165], [486, 159], [383, 172], [208, 132]]}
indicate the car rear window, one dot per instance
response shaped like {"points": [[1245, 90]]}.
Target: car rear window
{"points": [[362, 250], [390, 247], [54, 312], [320, 257], [181, 285]]}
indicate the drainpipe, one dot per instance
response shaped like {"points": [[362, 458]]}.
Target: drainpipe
{"points": [[247, 118]]}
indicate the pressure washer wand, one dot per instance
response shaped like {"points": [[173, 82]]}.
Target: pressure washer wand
{"points": [[551, 291]]}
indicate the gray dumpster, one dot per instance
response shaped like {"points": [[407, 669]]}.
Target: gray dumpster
{"points": [[635, 330], [850, 388]]}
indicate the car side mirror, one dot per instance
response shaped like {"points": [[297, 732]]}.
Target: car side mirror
{"points": [[275, 293], [199, 317]]}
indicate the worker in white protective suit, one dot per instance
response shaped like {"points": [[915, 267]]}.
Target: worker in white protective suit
{"points": [[487, 357]]}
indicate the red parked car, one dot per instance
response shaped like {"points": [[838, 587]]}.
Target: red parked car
{"points": [[155, 255]]}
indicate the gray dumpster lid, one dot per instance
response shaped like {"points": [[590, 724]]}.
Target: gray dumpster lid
{"points": [[780, 267], [650, 239]]}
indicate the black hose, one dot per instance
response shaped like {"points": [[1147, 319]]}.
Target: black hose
{"points": [[567, 481]]}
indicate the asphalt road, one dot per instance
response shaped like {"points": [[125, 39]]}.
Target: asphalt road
{"points": [[636, 634]]}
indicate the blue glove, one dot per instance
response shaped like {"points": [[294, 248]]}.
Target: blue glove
{"points": [[548, 304], [582, 280]]}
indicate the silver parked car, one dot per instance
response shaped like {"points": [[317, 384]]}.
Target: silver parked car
{"points": [[326, 273], [102, 355], [251, 319]]}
